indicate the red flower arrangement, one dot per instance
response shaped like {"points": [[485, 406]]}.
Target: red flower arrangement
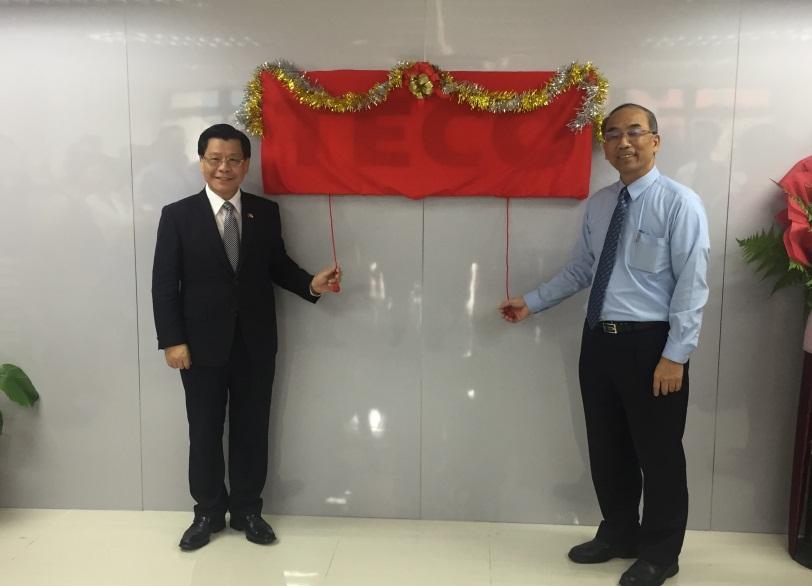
{"points": [[786, 254], [797, 185]]}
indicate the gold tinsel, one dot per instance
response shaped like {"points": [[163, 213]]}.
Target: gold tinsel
{"points": [[585, 77]]}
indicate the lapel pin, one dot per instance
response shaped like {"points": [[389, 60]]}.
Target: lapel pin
{"points": [[250, 216]]}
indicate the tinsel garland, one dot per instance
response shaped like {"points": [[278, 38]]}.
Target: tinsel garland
{"points": [[425, 79]]}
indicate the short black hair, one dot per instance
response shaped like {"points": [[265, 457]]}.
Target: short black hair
{"points": [[652, 119], [224, 132]]}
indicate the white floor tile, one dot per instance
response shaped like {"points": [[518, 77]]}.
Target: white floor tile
{"points": [[124, 548]]}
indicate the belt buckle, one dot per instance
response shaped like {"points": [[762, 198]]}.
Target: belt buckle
{"points": [[609, 327]]}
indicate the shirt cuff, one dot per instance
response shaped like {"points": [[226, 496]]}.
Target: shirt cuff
{"points": [[533, 301], [313, 293], [676, 352]]}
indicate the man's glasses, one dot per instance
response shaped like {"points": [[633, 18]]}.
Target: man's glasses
{"points": [[632, 133], [217, 161]]}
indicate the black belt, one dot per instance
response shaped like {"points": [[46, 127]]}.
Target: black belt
{"points": [[625, 327]]}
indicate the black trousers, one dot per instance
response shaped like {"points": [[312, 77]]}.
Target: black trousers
{"points": [[244, 386], [635, 442]]}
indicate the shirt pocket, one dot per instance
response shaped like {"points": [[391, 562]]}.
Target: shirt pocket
{"points": [[649, 253]]}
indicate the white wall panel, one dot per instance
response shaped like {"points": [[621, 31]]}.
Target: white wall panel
{"points": [[760, 360], [66, 255], [347, 398]]}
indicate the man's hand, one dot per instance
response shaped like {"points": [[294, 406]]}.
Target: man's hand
{"points": [[514, 310], [178, 356], [667, 377], [328, 279]]}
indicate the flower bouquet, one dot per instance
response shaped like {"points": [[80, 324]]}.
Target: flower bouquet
{"points": [[785, 252]]}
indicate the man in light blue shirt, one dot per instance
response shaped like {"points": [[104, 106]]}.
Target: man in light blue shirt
{"points": [[644, 250]]}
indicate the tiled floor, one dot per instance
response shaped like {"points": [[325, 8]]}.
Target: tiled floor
{"points": [[112, 548]]}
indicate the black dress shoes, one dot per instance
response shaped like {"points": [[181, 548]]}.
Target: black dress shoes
{"points": [[199, 533], [643, 573], [597, 551], [255, 527]]}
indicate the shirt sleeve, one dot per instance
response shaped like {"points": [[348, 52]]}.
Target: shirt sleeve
{"points": [[573, 277], [690, 249]]}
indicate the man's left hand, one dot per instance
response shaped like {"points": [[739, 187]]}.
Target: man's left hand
{"points": [[328, 279], [667, 377]]}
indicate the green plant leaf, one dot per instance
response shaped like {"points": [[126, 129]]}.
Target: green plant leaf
{"points": [[766, 250], [789, 279], [16, 384], [796, 266]]}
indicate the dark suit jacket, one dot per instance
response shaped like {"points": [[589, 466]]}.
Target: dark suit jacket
{"points": [[197, 297]]}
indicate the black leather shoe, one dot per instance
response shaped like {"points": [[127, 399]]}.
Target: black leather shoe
{"points": [[199, 533], [643, 573], [597, 551], [256, 528]]}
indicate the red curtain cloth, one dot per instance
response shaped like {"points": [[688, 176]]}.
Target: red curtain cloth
{"points": [[420, 148]]}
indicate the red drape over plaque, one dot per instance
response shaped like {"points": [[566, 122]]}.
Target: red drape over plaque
{"points": [[420, 148]]}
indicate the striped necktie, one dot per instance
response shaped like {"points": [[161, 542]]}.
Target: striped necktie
{"points": [[607, 260]]}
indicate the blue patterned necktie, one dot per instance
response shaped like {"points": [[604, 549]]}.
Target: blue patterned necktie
{"points": [[607, 260], [231, 235]]}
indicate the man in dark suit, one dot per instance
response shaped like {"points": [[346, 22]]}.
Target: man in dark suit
{"points": [[217, 256]]}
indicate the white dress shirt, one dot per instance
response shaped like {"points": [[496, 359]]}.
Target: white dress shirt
{"points": [[219, 213], [661, 265]]}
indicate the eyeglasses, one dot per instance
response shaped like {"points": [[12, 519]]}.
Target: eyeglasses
{"points": [[632, 133], [217, 161]]}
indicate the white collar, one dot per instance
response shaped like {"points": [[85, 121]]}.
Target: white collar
{"points": [[217, 202]]}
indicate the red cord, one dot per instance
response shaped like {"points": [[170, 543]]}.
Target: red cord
{"points": [[332, 231], [335, 286], [507, 247], [508, 311]]}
